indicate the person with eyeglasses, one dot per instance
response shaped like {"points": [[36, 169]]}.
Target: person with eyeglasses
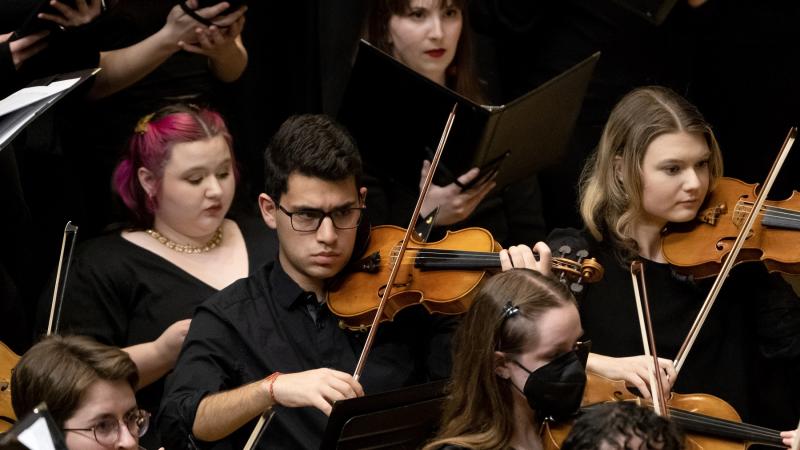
{"points": [[88, 388], [269, 341]]}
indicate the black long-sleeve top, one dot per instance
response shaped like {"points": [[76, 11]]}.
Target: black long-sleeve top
{"points": [[755, 318], [267, 323]]}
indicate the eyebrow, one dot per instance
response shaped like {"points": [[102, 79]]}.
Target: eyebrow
{"points": [[196, 168], [348, 204], [677, 160]]}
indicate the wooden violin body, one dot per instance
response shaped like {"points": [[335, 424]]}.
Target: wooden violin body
{"points": [[442, 275], [355, 300], [8, 359], [708, 421], [699, 247]]}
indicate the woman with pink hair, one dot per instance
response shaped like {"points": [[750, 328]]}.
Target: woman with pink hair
{"points": [[137, 288]]}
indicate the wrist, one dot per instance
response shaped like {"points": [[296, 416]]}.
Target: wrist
{"points": [[269, 387], [167, 41]]}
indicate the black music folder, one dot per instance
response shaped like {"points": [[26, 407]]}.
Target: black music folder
{"points": [[22, 107], [397, 115], [399, 419]]}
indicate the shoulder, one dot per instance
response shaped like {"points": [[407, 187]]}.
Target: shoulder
{"points": [[105, 251], [571, 237], [240, 296]]}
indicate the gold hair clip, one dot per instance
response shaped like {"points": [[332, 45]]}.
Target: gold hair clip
{"points": [[141, 126]]}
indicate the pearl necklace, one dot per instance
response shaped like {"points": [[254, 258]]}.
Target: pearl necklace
{"points": [[186, 248]]}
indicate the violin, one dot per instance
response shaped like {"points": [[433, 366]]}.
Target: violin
{"points": [[699, 247], [441, 275], [8, 359], [709, 421]]}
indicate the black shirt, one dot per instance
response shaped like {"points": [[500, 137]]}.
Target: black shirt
{"points": [[122, 294], [755, 316], [264, 324]]}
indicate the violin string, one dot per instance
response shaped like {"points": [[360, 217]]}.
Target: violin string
{"points": [[770, 211], [744, 430], [686, 417], [780, 215]]}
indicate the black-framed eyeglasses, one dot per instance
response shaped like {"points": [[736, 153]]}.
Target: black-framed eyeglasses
{"points": [[311, 219], [106, 432]]}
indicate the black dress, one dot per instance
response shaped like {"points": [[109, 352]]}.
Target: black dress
{"points": [[122, 295], [755, 319]]}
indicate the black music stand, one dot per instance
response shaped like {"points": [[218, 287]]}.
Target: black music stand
{"points": [[36, 431], [400, 419]]}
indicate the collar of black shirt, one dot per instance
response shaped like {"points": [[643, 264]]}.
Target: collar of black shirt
{"points": [[285, 290]]}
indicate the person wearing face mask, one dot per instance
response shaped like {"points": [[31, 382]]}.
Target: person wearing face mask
{"points": [[655, 164], [432, 37], [516, 361], [88, 388], [136, 287]]}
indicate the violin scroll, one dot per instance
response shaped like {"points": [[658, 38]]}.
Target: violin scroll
{"points": [[578, 271]]}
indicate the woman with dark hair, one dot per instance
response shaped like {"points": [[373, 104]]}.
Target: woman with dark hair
{"points": [[433, 38], [623, 426], [137, 288], [88, 388], [398, 27], [516, 361], [655, 164]]}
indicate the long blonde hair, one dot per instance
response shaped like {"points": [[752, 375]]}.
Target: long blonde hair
{"points": [[478, 412], [609, 206]]}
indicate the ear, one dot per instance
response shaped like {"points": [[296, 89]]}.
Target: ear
{"points": [[362, 196], [269, 210], [148, 180], [501, 368], [618, 168]]}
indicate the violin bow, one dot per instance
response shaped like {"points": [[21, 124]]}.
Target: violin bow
{"points": [[266, 417], [58, 289], [648, 340], [404, 244], [730, 259]]}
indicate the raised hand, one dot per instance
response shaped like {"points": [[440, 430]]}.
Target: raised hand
{"points": [[455, 204], [169, 344], [83, 13], [318, 388], [518, 256], [217, 40], [25, 47], [634, 370]]}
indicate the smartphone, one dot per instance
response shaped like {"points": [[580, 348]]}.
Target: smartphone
{"points": [[234, 5], [33, 24]]}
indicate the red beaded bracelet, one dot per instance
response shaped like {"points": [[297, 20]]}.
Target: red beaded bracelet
{"points": [[271, 380]]}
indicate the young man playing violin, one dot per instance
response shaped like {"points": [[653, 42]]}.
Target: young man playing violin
{"points": [[269, 340]]}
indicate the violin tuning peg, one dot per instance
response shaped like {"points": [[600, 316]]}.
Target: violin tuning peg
{"points": [[576, 287], [583, 253], [564, 250]]}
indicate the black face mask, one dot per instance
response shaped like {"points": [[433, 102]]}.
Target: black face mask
{"points": [[555, 390]]}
